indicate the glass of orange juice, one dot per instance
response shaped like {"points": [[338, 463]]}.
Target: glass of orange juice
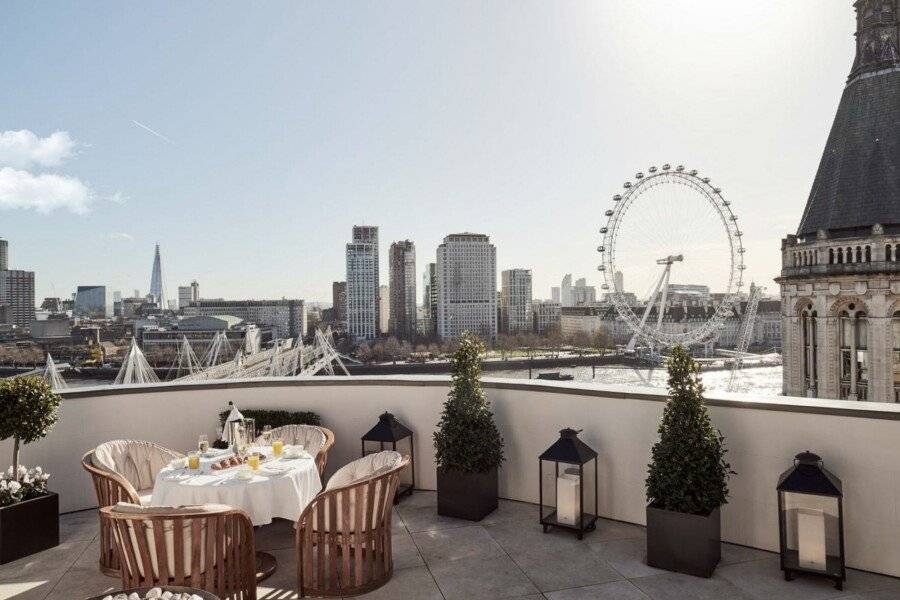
{"points": [[278, 447], [193, 461], [253, 461]]}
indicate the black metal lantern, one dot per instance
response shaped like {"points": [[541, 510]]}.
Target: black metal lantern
{"points": [[388, 434], [811, 520], [571, 486]]}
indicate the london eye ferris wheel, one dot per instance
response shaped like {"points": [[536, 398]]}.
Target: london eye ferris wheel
{"points": [[671, 233]]}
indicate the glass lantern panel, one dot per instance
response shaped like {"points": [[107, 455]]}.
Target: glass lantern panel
{"points": [[549, 488], [812, 533]]}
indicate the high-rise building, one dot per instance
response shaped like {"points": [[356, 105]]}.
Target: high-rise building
{"points": [[384, 309], [286, 317], [17, 297], [515, 301], [90, 301], [839, 277], [546, 315], [565, 290], [339, 302], [555, 295], [402, 279], [429, 300], [619, 281], [363, 318], [4, 255], [583, 294], [187, 294], [467, 286], [157, 288]]}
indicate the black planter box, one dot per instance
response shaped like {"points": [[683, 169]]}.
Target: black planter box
{"points": [[29, 527], [471, 496], [683, 542]]}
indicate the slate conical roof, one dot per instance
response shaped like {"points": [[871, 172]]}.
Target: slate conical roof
{"points": [[858, 181]]}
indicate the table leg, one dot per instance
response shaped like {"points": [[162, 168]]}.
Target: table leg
{"points": [[265, 565]]}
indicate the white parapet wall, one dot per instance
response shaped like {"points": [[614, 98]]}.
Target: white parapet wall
{"points": [[859, 441]]}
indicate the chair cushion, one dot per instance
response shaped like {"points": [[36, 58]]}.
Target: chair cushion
{"points": [[135, 460], [368, 466]]}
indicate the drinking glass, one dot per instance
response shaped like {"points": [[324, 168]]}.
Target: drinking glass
{"points": [[253, 461], [267, 435], [193, 461], [278, 447], [203, 444], [250, 428]]}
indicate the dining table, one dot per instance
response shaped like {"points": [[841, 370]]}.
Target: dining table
{"points": [[280, 488]]}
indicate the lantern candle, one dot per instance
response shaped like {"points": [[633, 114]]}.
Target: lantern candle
{"points": [[811, 538], [568, 497]]}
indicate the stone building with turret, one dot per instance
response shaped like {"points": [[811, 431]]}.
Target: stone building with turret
{"points": [[840, 276]]}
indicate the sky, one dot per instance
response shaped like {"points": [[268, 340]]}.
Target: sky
{"points": [[248, 138]]}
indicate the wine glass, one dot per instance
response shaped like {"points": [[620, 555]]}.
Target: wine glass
{"points": [[203, 444], [267, 435]]}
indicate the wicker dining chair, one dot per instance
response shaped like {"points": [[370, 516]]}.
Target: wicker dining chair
{"points": [[209, 547], [343, 537], [113, 482], [315, 440]]}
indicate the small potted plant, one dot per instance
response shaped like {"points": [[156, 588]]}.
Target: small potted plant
{"points": [[29, 513], [468, 447], [688, 478]]}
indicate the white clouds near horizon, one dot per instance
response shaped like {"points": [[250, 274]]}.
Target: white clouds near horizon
{"points": [[43, 192], [23, 149], [121, 237]]}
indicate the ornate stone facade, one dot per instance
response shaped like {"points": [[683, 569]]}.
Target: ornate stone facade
{"points": [[840, 276]]}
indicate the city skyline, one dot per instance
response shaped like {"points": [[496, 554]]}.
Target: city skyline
{"points": [[580, 125]]}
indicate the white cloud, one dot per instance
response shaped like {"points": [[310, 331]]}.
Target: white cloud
{"points": [[43, 193], [22, 149], [121, 237]]}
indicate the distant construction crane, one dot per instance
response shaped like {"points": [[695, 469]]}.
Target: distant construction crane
{"points": [[746, 333]]}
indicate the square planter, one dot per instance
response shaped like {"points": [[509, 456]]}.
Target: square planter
{"points": [[29, 527], [470, 496], [683, 542]]}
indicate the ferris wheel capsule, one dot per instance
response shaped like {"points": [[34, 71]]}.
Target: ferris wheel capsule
{"points": [[733, 217], [652, 169], [717, 190], [604, 286], [693, 171], [627, 185], [608, 212], [604, 229], [601, 268], [617, 197], [601, 249], [666, 167], [706, 180], [679, 168], [639, 175], [726, 203]]}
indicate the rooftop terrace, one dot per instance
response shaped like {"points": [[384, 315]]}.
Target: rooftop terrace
{"points": [[507, 555]]}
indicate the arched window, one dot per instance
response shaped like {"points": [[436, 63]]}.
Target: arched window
{"points": [[854, 351], [895, 329], [849, 255], [831, 256], [808, 340], [897, 252], [887, 253], [840, 255], [858, 254], [868, 254]]}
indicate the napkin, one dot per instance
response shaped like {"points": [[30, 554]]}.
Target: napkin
{"points": [[274, 469], [178, 463]]}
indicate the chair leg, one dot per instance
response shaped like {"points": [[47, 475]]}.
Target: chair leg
{"points": [[109, 559]]}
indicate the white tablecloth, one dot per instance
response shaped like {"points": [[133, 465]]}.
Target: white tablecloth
{"points": [[266, 496]]}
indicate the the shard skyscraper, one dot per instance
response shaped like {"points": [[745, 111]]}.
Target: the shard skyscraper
{"points": [[157, 289]]}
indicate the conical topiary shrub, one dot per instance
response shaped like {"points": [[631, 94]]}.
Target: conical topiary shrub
{"points": [[688, 478], [468, 447], [689, 473]]}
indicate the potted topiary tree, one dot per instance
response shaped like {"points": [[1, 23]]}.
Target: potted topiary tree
{"points": [[29, 513], [468, 447], [688, 478]]}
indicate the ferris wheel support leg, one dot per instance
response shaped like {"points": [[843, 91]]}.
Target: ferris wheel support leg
{"points": [[650, 304]]}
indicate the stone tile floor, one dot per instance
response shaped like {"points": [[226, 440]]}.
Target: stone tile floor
{"points": [[504, 556]]}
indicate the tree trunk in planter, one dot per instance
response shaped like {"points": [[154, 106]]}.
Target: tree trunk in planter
{"points": [[29, 527], [470, 496], [683, 542]]}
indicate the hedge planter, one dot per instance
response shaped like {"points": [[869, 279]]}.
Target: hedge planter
{"points": [[29, 527], [470, 496], [683, 542]]}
